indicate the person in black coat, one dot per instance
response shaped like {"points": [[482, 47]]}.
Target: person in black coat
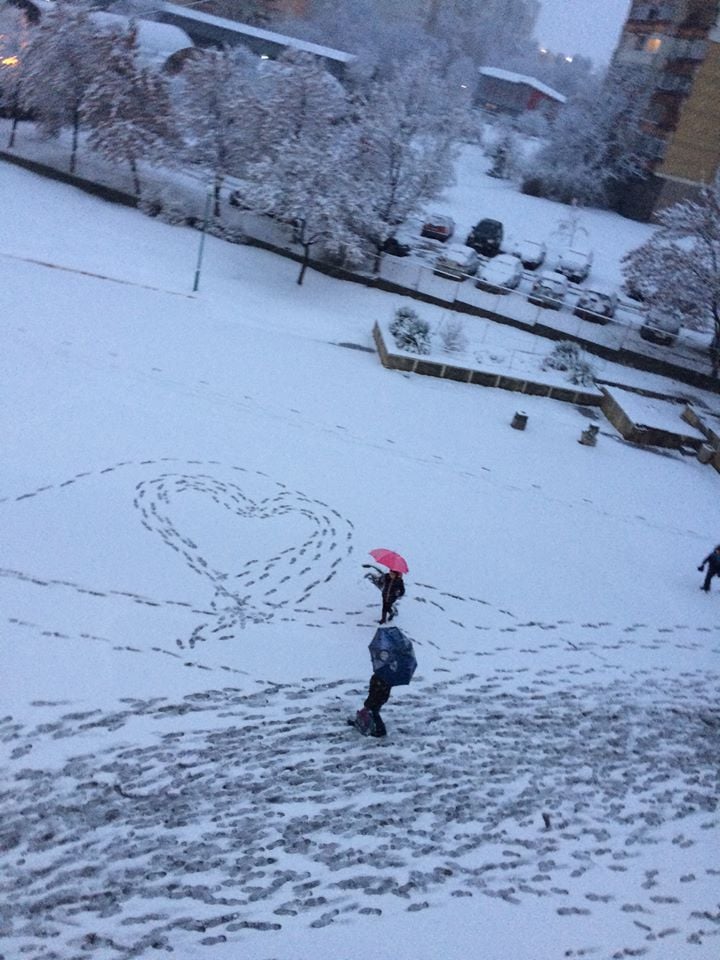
{"points": [[392, 588], [713, 567]]}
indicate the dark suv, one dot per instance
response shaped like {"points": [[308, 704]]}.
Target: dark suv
{"points": [[486, 237]]}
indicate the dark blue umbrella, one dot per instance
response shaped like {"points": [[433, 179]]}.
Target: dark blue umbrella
{"points": [[393, 657]]}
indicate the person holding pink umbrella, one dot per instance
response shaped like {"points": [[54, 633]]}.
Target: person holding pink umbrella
{"points": [[391, 584], [392, 588]]}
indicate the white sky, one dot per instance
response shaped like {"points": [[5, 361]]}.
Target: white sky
{"points": [[581, 26]]}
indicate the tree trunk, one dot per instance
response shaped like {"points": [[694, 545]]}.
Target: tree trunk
{"points": [[378, 258], [217, 187], [135, 176], [75, 137], [305, 262], [15, 114]]}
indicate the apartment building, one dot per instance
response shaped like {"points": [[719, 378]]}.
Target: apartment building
{"points": [[678, 42], [692, 156]]}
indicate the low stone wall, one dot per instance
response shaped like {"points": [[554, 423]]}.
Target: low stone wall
{"points": [[88, 186], [446, 371], [642, 434], [691, 416]]}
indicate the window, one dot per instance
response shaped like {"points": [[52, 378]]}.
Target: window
{"points": [[653, 44]]}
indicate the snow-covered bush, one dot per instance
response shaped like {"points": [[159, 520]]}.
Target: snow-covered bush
{"points": [[166, 204], [569, 357], [452, 335], [410, 332]]}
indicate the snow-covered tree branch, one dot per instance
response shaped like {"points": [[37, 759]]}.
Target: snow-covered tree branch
{"points": [[678, 268]]}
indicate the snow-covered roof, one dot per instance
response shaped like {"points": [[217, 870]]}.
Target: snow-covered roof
{"points": [[156, 41], [511, 77], [244, 29]]}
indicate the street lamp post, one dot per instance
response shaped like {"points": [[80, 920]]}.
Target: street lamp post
{"points": [[206, 217]]}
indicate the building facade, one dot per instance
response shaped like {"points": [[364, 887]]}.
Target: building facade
{"points": [[693, 153], [677, 42]]}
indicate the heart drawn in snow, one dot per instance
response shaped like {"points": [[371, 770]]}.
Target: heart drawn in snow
{"points": [[258, 567]]}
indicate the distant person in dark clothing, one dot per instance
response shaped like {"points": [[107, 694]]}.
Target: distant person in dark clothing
{"points": [[392, 588], [713, 567]]}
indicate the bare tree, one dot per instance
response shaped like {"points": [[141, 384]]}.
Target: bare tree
{"points": [[678, 268], [405, 132], [215, 104], [595, 143], [65, 54], [127, 109], [307, 185], [14, 33]]}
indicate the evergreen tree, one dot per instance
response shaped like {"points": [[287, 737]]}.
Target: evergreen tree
{"points": [[127, 109]]}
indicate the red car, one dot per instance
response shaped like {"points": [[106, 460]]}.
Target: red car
{"points": [[438, 227]]}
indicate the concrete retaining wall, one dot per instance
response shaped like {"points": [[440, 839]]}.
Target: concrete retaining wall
{"points": [[642, 434], [446, 371]]}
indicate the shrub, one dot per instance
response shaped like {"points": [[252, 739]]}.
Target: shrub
{"points": [[532, 186], [452, 336], [165, 204], [569, 356], [410, 332]]}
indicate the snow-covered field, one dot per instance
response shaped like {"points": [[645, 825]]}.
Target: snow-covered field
{"points": [[190, 485]]}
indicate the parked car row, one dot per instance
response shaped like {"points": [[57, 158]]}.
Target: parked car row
{"points": [[499, 272]]}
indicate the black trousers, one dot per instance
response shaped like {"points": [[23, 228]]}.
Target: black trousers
{"points": [[708, 577], [378, 694]]}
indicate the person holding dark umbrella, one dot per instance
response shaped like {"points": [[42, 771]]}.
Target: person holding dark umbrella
{"points": [[394, 664]]}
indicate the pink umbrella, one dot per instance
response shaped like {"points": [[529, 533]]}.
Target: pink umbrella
{"points": [[390, 559]]}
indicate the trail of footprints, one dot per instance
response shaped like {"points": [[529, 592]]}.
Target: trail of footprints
{"points": [[486, 802], [486, 791], [281, 587]]}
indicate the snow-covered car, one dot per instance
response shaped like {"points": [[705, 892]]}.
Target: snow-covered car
{"points": [[549, 290], [531, 253], [597, 306], [486, 237], [456, 262], [501, 274], [438, 227], [661, 326], [575, 264]]}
